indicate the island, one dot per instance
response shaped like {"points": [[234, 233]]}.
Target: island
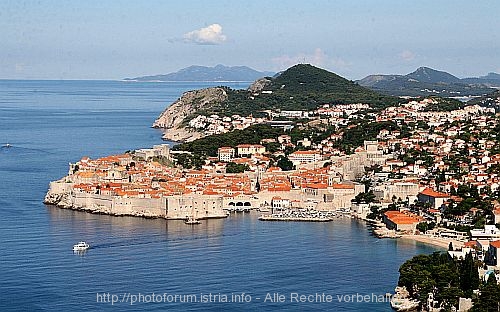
{"points": [[205, 73]]}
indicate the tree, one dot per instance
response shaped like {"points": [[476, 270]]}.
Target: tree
{"points": [[469, 275], [450, 246], [236, 168], [453, 191], [188, 161], [375, 213], [365, 197], [436, 273], [489, 299], [367, 183], [422, 227], [285, 164], [431, 225]]}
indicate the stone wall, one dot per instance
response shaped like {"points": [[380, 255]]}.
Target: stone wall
{"points": [[173, 207]]}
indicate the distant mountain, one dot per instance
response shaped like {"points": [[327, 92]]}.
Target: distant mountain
{"points": [[427, 81], [204, 73], [429, 75], [374, 80], [492, 79]]}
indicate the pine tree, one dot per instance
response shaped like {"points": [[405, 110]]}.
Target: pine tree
{"points": [[469, 275], [489, 299]]}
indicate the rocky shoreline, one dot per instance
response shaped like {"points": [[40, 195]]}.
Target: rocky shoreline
{"points": [[171, 120], [180, 135]]}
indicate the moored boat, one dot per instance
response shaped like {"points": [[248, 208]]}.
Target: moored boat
{"points": [[192, 221]]}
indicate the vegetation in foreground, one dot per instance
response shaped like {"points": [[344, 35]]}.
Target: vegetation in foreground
{"points": [[448, 279]]}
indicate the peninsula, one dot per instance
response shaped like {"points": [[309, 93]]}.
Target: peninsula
{"points": [[158, 182], [306, 145]]}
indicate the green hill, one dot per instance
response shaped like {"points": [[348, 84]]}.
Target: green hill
{"points": [[301, 87]]}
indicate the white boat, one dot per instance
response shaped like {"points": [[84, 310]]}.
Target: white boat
{"points": [[192, 221], [192, 218], [7, 145], [81, 246]]}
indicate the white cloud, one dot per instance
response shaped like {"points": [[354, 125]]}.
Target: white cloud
{"points": [[211, 34], [317, 58], [407, 55]]}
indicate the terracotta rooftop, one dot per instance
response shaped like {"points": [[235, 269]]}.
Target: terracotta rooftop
{"points": [[398, 217], [431, 193], [343, 186], [495, 244]]}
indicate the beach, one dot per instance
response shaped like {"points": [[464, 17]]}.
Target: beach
{"points": [[435, 241]]}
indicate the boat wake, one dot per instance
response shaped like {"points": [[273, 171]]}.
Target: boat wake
{"points": [[138, 241], [14, 147]]}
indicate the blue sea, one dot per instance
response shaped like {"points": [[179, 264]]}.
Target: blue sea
{"points": [[258, 264]]}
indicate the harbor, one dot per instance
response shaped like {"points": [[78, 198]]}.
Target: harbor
{"points": [[300, 215]]}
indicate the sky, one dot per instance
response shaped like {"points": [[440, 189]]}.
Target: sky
{"points": [[91, 39]]}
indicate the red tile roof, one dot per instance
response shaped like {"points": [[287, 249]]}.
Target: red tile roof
{"points": [[431, 193], [495, 244], [398, 217]]}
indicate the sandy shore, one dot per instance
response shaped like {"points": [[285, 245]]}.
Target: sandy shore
{"points": [[439, 242]]}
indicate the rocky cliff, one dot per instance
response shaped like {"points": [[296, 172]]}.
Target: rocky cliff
{"points": [[259, 85], [172, 118]]}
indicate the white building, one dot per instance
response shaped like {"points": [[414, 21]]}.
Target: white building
{"points": [[304, 157], [399, 189], [280, 203], [489, 232], [250, 149], [294, 114], [157, 150], [226, 154]]}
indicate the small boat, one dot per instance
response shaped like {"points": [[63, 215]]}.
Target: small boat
{"points": [[192, 221], [81, 246], [192, 218], [7, 145]]}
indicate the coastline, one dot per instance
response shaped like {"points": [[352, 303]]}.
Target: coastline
{"points": [[425, 239], [435, 241]]}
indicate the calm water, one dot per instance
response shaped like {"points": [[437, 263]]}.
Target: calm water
{"points": [[50, 123]]}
